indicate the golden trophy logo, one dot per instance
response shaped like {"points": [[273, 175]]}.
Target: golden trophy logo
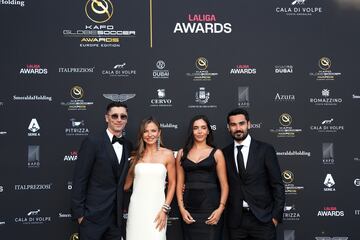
{"points": [[74, 236], [287, 176], [77, 92], [201, 63], [324, 63], [285, 119], [99, 11]]}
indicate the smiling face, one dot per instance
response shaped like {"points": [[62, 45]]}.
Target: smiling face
{"points": [[200, 130], [151, 133], [116, 119], [238, 127]]}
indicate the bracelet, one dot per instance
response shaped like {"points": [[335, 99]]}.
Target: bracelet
{"points": [[222, 204], [166, 208]]}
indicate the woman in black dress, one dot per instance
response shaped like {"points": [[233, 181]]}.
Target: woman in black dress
{"points": [[201, 187]]}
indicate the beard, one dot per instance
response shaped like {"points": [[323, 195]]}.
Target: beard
{"points": [[239, 135]]}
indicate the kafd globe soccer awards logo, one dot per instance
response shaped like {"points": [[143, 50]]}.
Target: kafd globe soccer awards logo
{"points": [[77, 103], [325, 72], [100, 34], [286, 129], [288, 179], [202, 73]]}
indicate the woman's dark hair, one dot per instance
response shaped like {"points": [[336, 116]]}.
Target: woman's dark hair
{"points": [[190, 135]]}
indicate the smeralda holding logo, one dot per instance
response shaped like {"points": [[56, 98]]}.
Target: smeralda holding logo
{"points": [[99, 12], [202, 23]]}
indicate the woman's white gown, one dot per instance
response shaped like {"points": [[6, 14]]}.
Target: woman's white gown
{"points": [[146, 201]]}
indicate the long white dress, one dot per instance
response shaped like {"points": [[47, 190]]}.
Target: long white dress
{"points": [[146, 201]]}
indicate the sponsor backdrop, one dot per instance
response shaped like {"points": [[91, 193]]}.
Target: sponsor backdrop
{"points": [[291, 63]]}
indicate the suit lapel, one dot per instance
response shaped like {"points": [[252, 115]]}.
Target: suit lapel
{"points": [[124, 162], [251, 157], [111, 153], [231, 159]]}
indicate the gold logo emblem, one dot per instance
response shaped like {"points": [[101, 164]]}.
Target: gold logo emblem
{"points": [[324, 63], [74, 236], [201, 63], [77, 92], [285, 119], [99, 11], [287, 176]]}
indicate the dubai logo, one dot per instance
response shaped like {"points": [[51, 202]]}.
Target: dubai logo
{"points": [[160, 64], [99, 11], [201, 63], [285, 119], [324, 63], [77, 92]]}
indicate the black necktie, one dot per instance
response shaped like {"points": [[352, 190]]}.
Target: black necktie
{"points": [[240, 160], [117, 139]]}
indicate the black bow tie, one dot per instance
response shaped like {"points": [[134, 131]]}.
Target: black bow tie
{"points": [[117, 139]]}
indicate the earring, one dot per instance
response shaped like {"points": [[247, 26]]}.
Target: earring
{"points": [[158, 143]]}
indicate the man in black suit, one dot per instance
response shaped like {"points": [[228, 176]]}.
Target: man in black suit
{"points": [[99, 176], [256, 191]]}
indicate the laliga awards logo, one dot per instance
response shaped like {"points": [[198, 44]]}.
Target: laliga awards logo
{"points": [[99, 11]]}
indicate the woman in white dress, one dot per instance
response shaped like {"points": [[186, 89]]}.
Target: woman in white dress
{"points": [[151, 163]]}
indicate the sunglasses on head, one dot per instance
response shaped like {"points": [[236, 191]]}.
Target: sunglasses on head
{"points": [[116, 116]]}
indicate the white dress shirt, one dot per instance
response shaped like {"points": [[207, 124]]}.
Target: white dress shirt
{"points": [[245, 152], [117, 146]]}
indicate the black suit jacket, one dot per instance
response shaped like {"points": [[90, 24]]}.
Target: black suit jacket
{"points": [[261, 187], [98, 182]]}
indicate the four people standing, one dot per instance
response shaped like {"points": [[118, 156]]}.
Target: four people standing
{"points": [[247, 171]]}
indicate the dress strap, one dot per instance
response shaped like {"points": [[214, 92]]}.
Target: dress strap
{"points": [[213, 151]]}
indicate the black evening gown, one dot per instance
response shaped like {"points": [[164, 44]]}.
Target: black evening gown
{"points": [[201, 198]]}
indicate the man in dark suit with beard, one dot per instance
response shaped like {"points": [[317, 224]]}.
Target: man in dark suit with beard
{"points": [[99, 176], [256, 191]]}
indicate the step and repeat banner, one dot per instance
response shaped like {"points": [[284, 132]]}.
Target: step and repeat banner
{"points": [[293, 64]]}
